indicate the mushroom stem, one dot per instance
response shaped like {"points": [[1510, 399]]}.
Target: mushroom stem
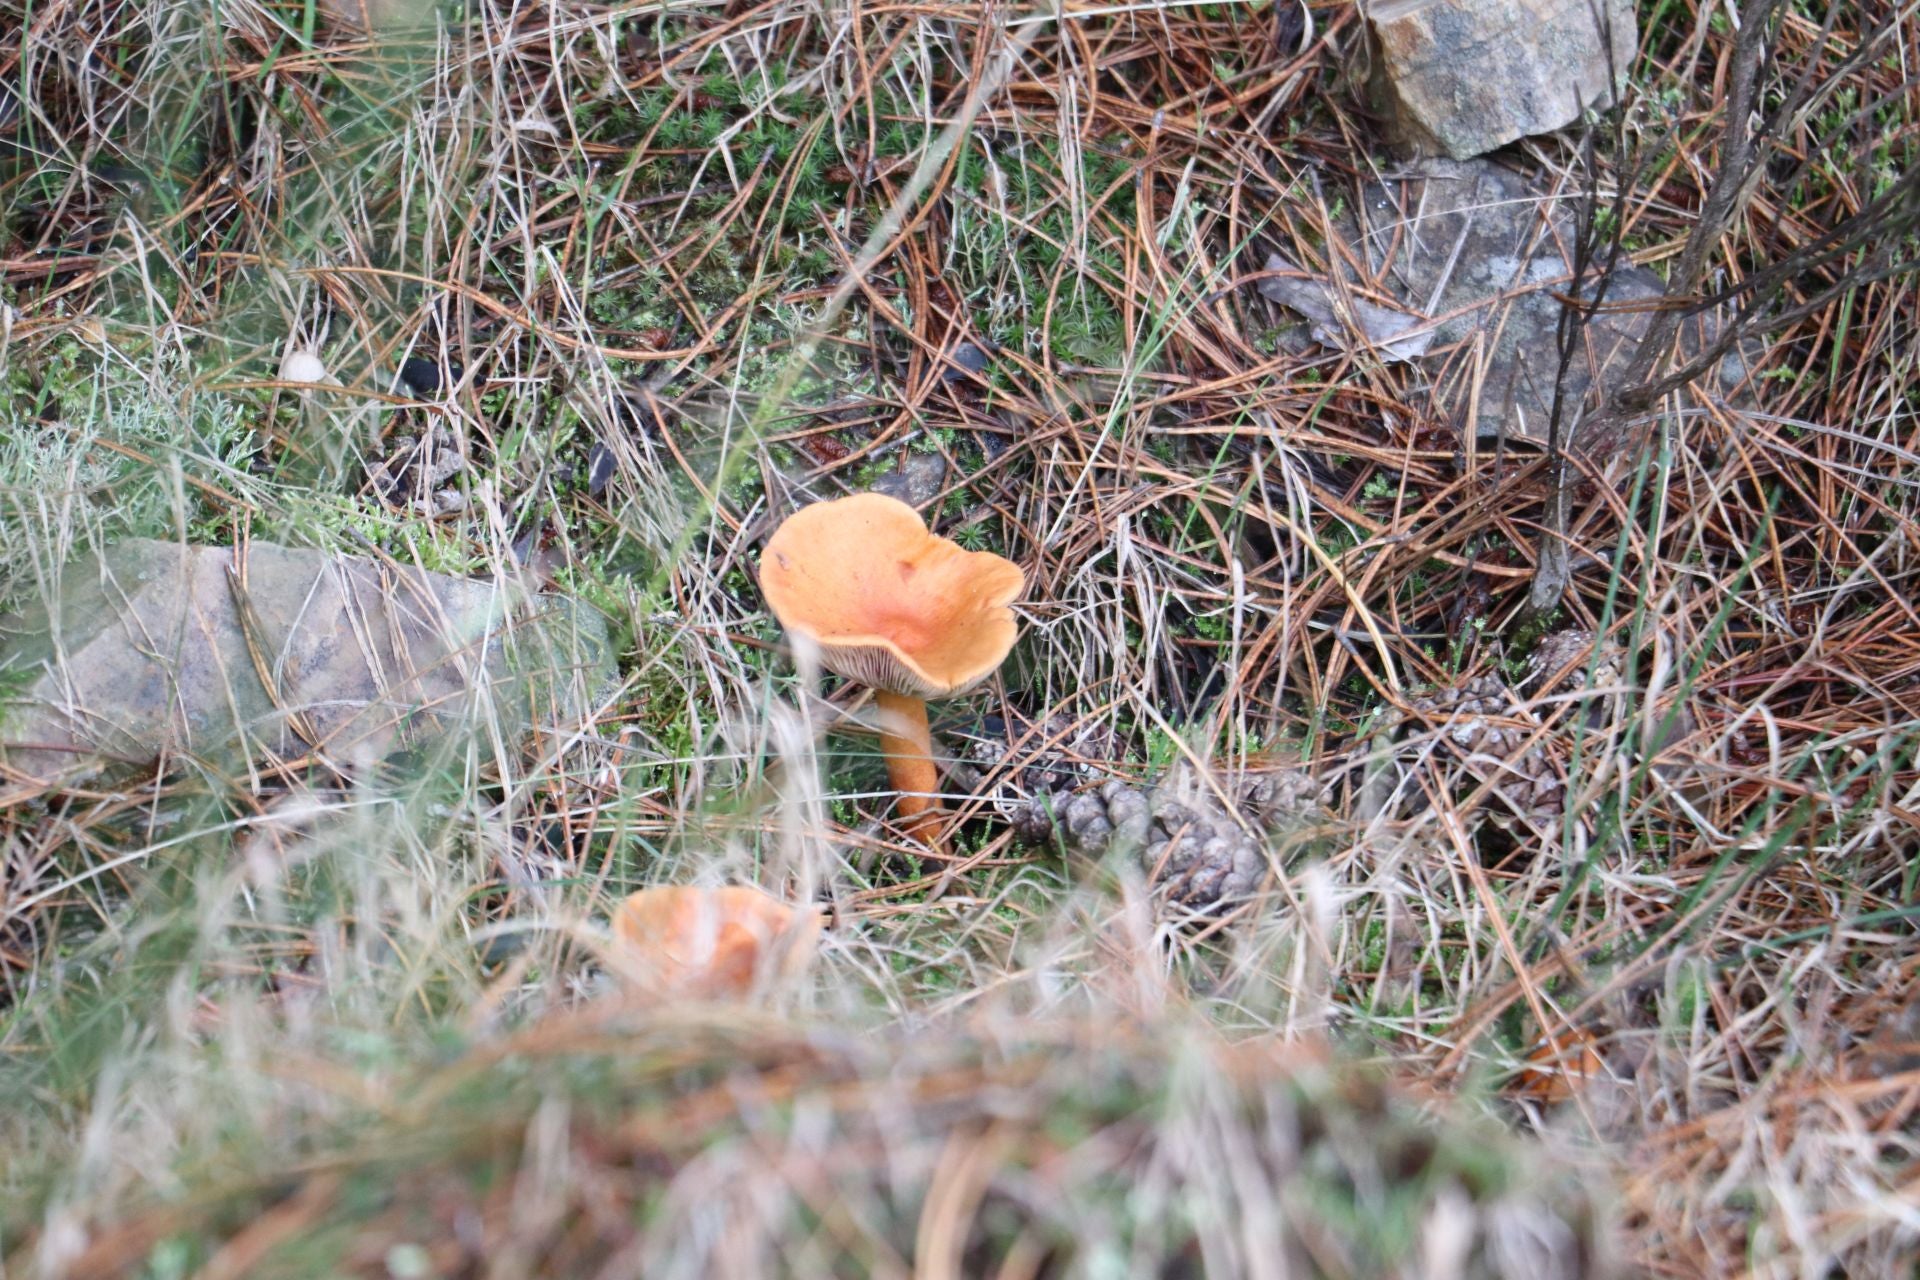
{"points": [[908, 744]]}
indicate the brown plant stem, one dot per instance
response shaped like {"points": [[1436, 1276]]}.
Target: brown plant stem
{"points": [[908, 744]]}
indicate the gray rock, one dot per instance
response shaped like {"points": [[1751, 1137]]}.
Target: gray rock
{"points": [[1461, 77], [918, 480], [1487, 254], [1480, 244], [968, 357], [154, 648]]}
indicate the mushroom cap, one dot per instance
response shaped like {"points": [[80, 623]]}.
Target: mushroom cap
{"points": [[302, 366], [683, 940], [890, 604]]}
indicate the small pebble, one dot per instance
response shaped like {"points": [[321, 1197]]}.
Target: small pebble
{"points": [[601, 464], [426, 377], [964, 359]]}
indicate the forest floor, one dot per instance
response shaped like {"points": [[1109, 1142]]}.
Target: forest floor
{"points": [[601, 293]]}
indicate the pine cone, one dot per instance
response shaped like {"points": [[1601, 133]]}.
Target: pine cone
{"points": [[1053, 764], [1090, 822], [1197, 853], [1481, 724], [418, 473], [1570, 651]]}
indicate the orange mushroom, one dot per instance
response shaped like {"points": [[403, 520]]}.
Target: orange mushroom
{"points": [[901, 610], [683, 940], [1560, 1067]]}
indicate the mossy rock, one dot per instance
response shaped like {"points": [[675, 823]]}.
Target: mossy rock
{"points": [[154, 649]]}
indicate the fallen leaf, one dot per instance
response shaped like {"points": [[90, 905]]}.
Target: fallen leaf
{"points": [[708, 942]]}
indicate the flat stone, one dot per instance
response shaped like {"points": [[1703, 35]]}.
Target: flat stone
{"points": [[1461, 77], [1480, 257], [155, 649], [1487, 253]]}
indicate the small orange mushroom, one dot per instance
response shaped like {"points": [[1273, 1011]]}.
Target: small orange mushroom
{"points": [[897, 608], [690, 941], [1560, 1067]]}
